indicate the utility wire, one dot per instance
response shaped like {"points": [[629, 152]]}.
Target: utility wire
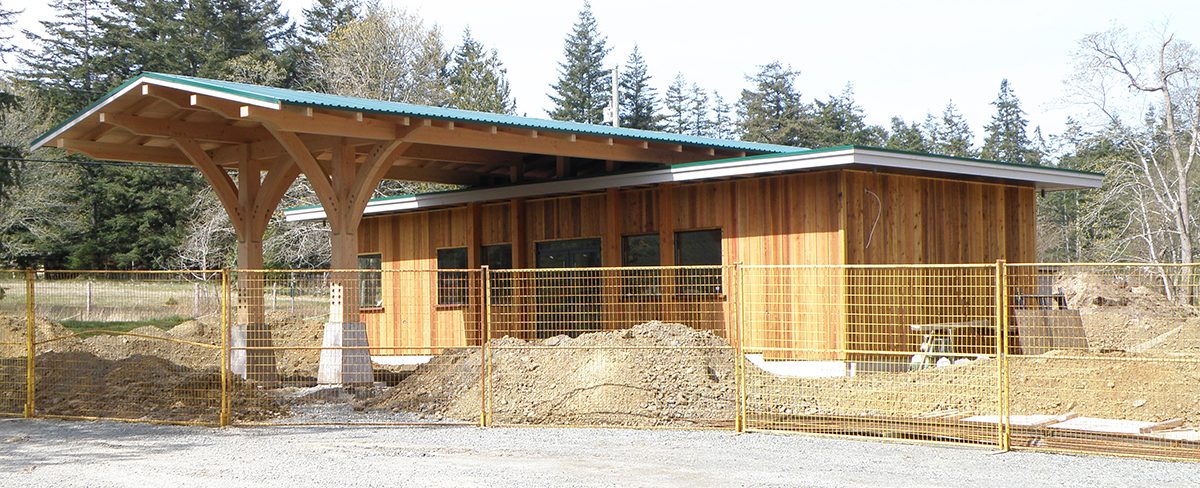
{"points": [[100, 163]]}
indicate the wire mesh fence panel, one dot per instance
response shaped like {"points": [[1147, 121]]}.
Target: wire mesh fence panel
{"points": [[632, 347], [128, 345], [1105, 358], [13, 345], [357, 346], [905, 352]]}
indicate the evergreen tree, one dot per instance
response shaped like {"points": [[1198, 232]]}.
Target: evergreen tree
{"points": [[951, 136], [723, 126], [638, 100], [1006, 139], [907, 136], [699, 123], [677, 107], [582, 90], [840, 121], [478, 79], [69, 61], [320, 21], [7, 102], [772, 111], [324, 17], [135, 216]]}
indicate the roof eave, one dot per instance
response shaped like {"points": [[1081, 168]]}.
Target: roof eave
{"points": [[1039, 177]]}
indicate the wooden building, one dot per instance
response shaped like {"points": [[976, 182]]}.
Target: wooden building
{"points": [[835, 206], [543, 194]]}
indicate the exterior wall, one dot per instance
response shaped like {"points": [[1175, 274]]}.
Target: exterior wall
{"points": [[812, 218], [928, 221]]}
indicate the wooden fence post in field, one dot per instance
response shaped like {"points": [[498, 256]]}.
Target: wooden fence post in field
{"points": [[87, 306]]}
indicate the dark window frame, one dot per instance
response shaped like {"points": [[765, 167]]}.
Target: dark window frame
{"points": [[699, 284], [370, 283], [452, 279], [641, 284]]}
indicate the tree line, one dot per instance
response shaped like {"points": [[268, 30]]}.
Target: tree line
{"points": [[73, 213]]}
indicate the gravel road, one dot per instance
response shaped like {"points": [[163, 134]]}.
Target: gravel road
{"points": [[58, 453]]}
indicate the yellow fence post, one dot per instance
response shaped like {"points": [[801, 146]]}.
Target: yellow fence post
{"points": [[1002, 423], [739, 367], [485, 383], [30, 338], [225, 400]]}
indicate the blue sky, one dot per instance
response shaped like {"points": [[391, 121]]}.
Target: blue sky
{"points": [[903, 58]]}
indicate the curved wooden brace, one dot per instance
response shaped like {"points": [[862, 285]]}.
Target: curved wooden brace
{"points": [[222, 184], [317, 177]]}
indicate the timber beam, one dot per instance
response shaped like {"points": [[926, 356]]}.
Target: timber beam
{"points": [[127, 153], [204, 131]]}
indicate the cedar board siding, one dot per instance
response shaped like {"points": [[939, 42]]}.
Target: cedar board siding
{"points": [[811, 218]]}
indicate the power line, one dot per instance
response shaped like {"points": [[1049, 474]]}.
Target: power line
{"points": [[100, 163]]}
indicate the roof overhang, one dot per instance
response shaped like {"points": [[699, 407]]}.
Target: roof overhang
{"points": [[1045, 178], [144, 119]]}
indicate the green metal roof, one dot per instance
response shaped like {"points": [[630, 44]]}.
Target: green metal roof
{"points": [[804, 152], [269, 94]]}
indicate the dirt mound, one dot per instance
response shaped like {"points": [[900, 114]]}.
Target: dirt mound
{"points": [[13, 330], [1089, 290], [653, 374], [137, 387]]}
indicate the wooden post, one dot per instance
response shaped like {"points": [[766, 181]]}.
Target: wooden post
{"points": [[195, 300], [611, 254], [666, 249], [249, 203], [344, 187], [87, 306]]}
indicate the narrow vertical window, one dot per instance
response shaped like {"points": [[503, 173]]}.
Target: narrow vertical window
{"points": [[370, 280]]}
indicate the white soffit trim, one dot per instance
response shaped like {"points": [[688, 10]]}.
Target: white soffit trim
{"points": [[1042, 177], [151, 81]]}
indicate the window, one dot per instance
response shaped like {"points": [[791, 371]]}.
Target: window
{"points": [[452, 283], [499, 256], [698, 248], [370, 283], [640, 250], [569, 253]]}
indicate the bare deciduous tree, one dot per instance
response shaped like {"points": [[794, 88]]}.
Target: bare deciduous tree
{"points": [[388, 55], [1145, 96]]}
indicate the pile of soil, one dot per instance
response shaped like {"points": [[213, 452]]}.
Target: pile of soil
{"points": [[553, 382], [1122, 316], [662, 377], [137, 387], [13, 330]]}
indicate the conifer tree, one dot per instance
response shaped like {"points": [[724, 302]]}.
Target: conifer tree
{"points": [[478, 80], [699, 123], [1006, 139], [638, 100], [907, 136], [771, 111], [677, 107], [320, 21], [7, 101], [951, 134], [840, 121], [582, 90], [324, 17], [69, 61], [723, 125]]}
